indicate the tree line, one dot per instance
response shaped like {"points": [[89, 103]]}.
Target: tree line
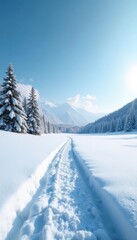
{"points": [[17, 115]]}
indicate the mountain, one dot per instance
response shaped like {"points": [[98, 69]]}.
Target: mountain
{"points": [[124, 119], [67, 114]]}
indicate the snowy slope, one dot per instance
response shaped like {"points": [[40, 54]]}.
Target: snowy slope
{"points": [[110, 162], [23, 161], [117, 118], [66, 114]]}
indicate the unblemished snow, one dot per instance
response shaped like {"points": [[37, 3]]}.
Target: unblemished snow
{"points": [[110, 163], [68, 187]]}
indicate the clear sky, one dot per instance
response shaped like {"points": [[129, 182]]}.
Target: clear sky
{"points": [[69, 48]]}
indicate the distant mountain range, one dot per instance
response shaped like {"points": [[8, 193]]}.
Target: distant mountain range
{"points": [[124, 119], [67, 114]]}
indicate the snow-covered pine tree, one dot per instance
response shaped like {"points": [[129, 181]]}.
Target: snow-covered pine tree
{"points": [[48, 127], [133, 118], [51, 128], [24, 104], [44, 124], [119, 125], [54, 129], [1, 97], [12, 115], [128, 124], [112, 126], [33, 118]]}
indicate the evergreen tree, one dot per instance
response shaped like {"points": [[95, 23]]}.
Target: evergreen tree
{"points": [[24, 104], [135, 122], [123, 122], [133, 118], [44, 125], [112, 126], [48, 127], [54, 129], [104, 127], [119, 125], [33, 119], [51, 128], [128, 124], [12, 115], [100, 128]]}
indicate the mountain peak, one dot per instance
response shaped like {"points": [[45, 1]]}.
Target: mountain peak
{"points": [[66, 114]]}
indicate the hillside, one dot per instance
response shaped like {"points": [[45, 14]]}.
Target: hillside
{"points": [[124, 119]]}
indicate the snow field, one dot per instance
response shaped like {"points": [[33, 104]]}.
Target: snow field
{"points": [[51, 188], [65, 209], [24, 160], [109, 162]]}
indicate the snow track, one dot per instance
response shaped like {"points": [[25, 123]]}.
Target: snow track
{"points": [[65, 208]]}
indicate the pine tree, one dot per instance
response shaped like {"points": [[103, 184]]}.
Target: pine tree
{"points": [[130, 121], [119, 125], [45, 125], [12, 115], [48, 127], [51, 128], [112, 126], [54, 129], [33, 119], [123, 120], [24, 104], [133, 118], [128, 124]]}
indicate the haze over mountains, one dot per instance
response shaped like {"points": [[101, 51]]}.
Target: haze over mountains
{"points": [[67, 114]]}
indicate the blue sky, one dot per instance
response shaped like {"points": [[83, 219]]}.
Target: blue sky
{"points": [[72, 48]]}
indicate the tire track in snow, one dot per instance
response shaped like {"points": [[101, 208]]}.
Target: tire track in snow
{"points": [[65, 209]]}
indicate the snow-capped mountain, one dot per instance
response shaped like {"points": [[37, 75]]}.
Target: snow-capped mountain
{"points": [[67, 114]]}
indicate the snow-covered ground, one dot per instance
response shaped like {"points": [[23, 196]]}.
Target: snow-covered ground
{"points": [[110, 163], [65, 208], [68, 187], [24, 160]]}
